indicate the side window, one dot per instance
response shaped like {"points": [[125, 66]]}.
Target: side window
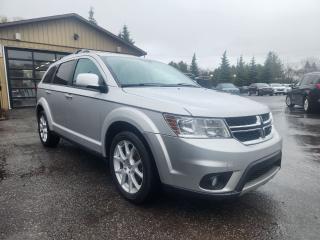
{"points": [[307, 80], [303, 81], [64, 74], [49, 75], [315, 79], [85, 65]]}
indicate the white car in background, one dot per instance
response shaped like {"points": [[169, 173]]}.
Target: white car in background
{"points": [[288, 88], [277, 88]]}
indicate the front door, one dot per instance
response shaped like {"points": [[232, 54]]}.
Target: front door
{"points": [[87, 109]]}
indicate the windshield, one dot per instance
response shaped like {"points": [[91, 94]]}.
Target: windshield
{"points": [[140, 72], [227, 85], [262, 85]]}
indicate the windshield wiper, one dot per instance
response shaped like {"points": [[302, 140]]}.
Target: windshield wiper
{"points": [[184, 85], [142, 85]]}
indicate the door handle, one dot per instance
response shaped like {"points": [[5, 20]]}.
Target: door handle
{"points": [[67, 95], [48, 92]]}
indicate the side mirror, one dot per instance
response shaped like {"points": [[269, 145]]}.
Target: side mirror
{"points": [[90, 80]]}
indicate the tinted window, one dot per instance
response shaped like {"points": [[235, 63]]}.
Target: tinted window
{"points": [[20, 54], [20, 64], [86, 66], [64, 74], [44, 56], [227, 85], [49, 75], [307, 80], [262, 85]]}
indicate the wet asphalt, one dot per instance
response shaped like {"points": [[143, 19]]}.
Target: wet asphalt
{"points": [[67, 193]]}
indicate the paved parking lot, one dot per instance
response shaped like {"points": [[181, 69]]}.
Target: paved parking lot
{"points": [[66, 193]]}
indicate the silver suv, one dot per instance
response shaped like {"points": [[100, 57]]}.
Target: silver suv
{"points": [[156, 127]]}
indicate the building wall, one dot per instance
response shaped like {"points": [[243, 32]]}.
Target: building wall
{"points": [[55, 35], [58, 34], [3, 92]]}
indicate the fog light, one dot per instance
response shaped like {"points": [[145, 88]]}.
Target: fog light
{"points": [[215, 181]]}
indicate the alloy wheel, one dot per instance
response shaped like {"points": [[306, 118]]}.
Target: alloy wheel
{"points": [[43, 129], [306, 104], [128, 166]]}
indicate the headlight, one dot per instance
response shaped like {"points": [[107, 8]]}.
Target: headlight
{"points": [[190, 127]]}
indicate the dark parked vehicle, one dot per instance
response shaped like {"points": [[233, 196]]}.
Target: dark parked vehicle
{"points": [[244, 89], [260, 89], [227, 87], [306, 93]]}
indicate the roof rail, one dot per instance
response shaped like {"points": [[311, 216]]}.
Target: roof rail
{"points": [[82, 51]]}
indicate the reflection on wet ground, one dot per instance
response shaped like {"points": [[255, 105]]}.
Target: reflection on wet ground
{"points": [[67, 193], [305, 128]]}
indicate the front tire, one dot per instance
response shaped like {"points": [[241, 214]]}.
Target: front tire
{"points": [[307, 105], [132, 168], [47, 137]]}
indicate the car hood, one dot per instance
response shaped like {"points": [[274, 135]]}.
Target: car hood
{"points": [[200, 102]]}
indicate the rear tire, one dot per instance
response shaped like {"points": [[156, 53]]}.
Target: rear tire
{"points": [[132, 168], [47, 137], [289, 102]]}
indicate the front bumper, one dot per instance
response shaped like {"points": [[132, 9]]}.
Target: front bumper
{"points": [[182, 163], [279, 90]]}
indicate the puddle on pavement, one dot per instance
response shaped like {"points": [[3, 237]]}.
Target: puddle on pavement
{"points": [[306, 131]]}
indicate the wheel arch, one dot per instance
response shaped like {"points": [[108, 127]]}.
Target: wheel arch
{"points": [[128, 119], [43, 105]]}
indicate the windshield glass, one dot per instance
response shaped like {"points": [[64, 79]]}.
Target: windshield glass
{"points": [[140, 72], [262, 85], [227, 85]]}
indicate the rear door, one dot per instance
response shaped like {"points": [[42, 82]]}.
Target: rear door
{"points": [[304, 89], [60, 97]]}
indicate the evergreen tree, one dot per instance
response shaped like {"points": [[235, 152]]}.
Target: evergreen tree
{"points": [[225, 71], [3, 19], [183, 67], [307, 67], [273, 69], [314, 67], [125, 35], [91, 17], [194, 66], [173, 64], [241, 74], [253, 72]]}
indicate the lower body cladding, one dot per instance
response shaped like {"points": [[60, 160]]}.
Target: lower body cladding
{"points": [[215, 167]]}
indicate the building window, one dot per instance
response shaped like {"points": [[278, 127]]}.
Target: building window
{"points": [[25, 68]]}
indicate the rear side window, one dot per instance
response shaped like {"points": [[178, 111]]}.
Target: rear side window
{"points": [[308, 79], [85, 65], [49, 75], [64, 74]]}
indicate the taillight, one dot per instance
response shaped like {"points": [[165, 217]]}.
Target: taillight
{"points": [[318, 85]]}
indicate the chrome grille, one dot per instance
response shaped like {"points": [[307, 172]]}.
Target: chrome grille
{"points": [[251, 129]]}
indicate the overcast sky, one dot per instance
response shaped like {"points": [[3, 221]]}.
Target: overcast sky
{"points": [[175, 29]]}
